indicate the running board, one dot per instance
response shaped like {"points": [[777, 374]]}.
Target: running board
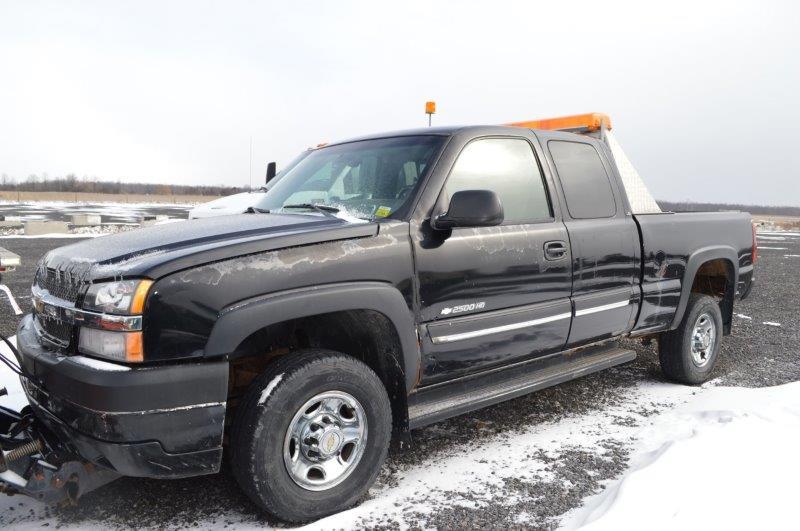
{"points": [[438, 402]]}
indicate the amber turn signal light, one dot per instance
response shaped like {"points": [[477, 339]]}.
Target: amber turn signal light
{"points": [[140, 296]]}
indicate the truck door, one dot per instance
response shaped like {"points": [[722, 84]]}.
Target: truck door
{"points": [[604, 241], [493, 295]]}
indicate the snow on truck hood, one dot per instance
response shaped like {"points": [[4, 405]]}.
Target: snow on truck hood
{"points": [[162, 249], [232, 204]]}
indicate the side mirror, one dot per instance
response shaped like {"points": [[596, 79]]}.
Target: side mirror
{"points": [[471, 208], [272, 169]]}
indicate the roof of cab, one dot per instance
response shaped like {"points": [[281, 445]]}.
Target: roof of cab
{"points": [[451, 130]]}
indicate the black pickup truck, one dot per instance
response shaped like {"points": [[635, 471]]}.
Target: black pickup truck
{"points": [[382, 284]]}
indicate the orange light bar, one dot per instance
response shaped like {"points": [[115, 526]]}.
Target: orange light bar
{"points": [[589, 122]]}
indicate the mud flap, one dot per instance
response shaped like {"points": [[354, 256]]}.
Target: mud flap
{"points": [[36, 463]]}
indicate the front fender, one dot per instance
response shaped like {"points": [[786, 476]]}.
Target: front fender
{"points": [[239, 321]]}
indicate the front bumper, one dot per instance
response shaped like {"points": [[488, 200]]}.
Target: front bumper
{"points": [[163, 421]]}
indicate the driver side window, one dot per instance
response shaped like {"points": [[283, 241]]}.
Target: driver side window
{"points": [[507, 167]]}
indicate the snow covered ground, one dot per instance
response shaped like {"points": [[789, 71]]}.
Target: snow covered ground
{"points": [[116, 217], [16, 398], [115, 212], [726, 459]]}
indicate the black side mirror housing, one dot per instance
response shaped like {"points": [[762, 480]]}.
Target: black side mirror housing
{"points": [[471, 208], [272, 169]]}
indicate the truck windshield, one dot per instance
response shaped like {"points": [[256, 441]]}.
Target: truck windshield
{"points": [[368, 179]]}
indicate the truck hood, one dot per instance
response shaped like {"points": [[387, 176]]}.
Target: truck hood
{"points": [[157, 251]]}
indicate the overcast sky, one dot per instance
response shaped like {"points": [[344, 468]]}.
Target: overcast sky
{"points": [[704, 96]]}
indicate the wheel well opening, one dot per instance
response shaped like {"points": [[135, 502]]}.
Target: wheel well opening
{"points": [[716, 278], [366, 335]]}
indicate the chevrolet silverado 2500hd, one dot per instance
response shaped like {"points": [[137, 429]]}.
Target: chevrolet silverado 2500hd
{"points": [[382, 284]]}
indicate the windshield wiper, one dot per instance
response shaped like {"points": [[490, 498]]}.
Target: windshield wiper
{"points": [[322, 209]]}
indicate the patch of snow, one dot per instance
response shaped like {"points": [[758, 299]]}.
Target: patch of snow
{"points": [[349, 217], [98, 365], [169, 220], [56, 235], [471, 474], [74, 232], [743, 316], [14, 306], [724, 460], [268, 390], [770, 323], [15, 399], [777, 233]]}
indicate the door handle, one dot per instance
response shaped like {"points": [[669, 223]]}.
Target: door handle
{"points": [[555, 250]]}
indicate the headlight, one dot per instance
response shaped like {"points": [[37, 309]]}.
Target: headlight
{"points": [[116, 334], [125, 297]]}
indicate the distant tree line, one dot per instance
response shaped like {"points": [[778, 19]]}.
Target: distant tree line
{"points": [[71, 183], [686, 206]]}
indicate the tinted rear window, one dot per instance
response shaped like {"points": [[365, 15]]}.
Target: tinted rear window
{"points": [[584, 179]]}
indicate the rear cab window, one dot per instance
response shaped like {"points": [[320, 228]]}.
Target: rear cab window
{"points": [[586, 184]]}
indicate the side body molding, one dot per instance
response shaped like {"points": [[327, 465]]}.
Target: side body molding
{"points": [[240, 320], [695, 261]]}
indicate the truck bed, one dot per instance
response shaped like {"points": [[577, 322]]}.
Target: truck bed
{"points": [[673, 247]]}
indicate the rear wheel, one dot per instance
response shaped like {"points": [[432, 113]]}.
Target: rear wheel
{"points": [[311, 435], [688, 353]]}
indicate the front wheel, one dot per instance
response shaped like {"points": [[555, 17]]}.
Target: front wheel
{"points": [[311, 435], [688, 353]]}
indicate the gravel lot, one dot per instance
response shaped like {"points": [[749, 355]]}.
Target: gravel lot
{"points": [[756, 355]]}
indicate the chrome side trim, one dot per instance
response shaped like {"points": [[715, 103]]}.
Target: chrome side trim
{"points": [[438, 340], [604, 307]]}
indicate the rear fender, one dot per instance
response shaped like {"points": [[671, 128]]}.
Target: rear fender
{"points": [[696, 260]]}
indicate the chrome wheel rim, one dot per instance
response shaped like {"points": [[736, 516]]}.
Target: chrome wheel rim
{"points": [[325, 440], [703, 339]]}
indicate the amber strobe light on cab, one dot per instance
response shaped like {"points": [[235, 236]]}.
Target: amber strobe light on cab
{"points": [[430, 110], [116, 333]]}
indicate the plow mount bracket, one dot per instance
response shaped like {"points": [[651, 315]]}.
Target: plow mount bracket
{"points": [[35, 463]]}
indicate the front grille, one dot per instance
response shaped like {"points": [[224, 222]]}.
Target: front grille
{"points": [[56, 330], [58, 283], [65, 282]]}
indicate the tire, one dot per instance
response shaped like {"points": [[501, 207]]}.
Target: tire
{"points": [[263, 449], [682, 359]]}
